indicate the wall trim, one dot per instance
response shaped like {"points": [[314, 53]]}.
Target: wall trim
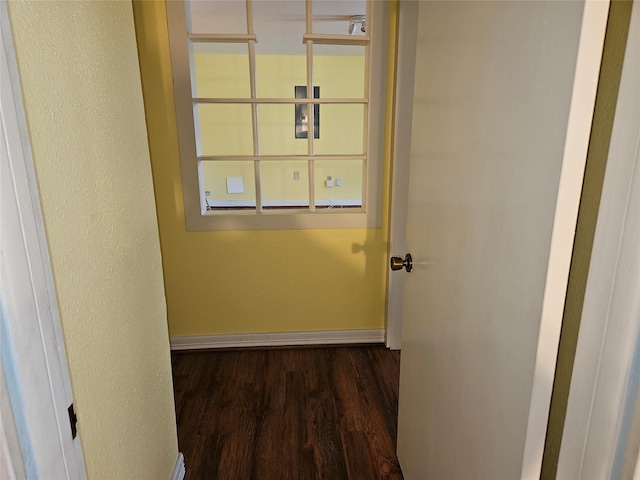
{"points": [[179, 470], [325, 337]]}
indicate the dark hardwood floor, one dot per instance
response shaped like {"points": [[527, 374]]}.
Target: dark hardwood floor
{"points": [[295, 413]]}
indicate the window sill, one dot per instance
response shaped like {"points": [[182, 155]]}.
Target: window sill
{"points": [[286, 219]]}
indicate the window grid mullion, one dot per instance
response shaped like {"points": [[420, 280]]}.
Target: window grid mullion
{"points": [[310, 115], [365, 124], [254, 107], [281, 101], [266, 158]]}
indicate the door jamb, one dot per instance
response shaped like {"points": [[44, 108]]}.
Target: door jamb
{"points": [[403, 108], [601, 433], [583, 96]]}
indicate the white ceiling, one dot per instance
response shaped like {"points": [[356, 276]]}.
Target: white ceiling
{"points": [[278, 24]]}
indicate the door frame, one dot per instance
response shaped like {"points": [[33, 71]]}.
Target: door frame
{"points": [[403, 113], [583, 98], [568, 198], [601, 434], [33, 354]]}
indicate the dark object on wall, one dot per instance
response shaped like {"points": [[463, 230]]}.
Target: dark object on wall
{"points": [[302, 122]]}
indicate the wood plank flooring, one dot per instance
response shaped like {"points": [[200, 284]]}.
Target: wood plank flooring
{"points": [[295, 413]]}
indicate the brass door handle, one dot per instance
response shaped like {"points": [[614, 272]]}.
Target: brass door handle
{"points": [[397, 263]]}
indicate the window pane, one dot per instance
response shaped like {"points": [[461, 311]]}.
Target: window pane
{"points": [[341, 130], [346, 178], [277, 75], [285, 184], [332, 16], [277, 131], [224, 129], [228, 185], [280, 54], [216, 16], [339, 70], [221, 75]]}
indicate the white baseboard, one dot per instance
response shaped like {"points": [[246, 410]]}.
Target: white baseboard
{"points": [[179, 471], [325, 337]]}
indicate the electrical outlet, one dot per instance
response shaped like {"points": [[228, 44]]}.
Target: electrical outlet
{"points": [[338, 182], [296, 175], [207, 193], [329, 182]]}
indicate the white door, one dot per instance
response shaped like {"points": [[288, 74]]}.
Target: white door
{"points": [[500, 132]]}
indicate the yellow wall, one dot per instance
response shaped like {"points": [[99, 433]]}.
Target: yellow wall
{"points": [[248, 281], [82, 95]]}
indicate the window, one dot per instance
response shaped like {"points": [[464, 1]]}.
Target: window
{"points": [[247, 74]]}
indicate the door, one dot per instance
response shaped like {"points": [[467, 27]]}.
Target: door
{"points": [[499, 140]]}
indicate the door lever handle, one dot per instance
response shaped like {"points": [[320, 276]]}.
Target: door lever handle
{"points": [[398, 263]]}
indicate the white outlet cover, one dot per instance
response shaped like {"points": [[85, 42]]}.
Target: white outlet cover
{"points": [[235, 185]]}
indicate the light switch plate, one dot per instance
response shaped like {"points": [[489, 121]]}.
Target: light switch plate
{"points": [[235, 185]]}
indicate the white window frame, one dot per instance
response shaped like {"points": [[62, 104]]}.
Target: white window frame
{"points": [[368, 216]]}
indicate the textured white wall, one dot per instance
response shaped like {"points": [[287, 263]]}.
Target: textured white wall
{"points": [[79, 70]]}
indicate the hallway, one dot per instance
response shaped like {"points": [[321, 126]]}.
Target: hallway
{"points": [[291, 413]]}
